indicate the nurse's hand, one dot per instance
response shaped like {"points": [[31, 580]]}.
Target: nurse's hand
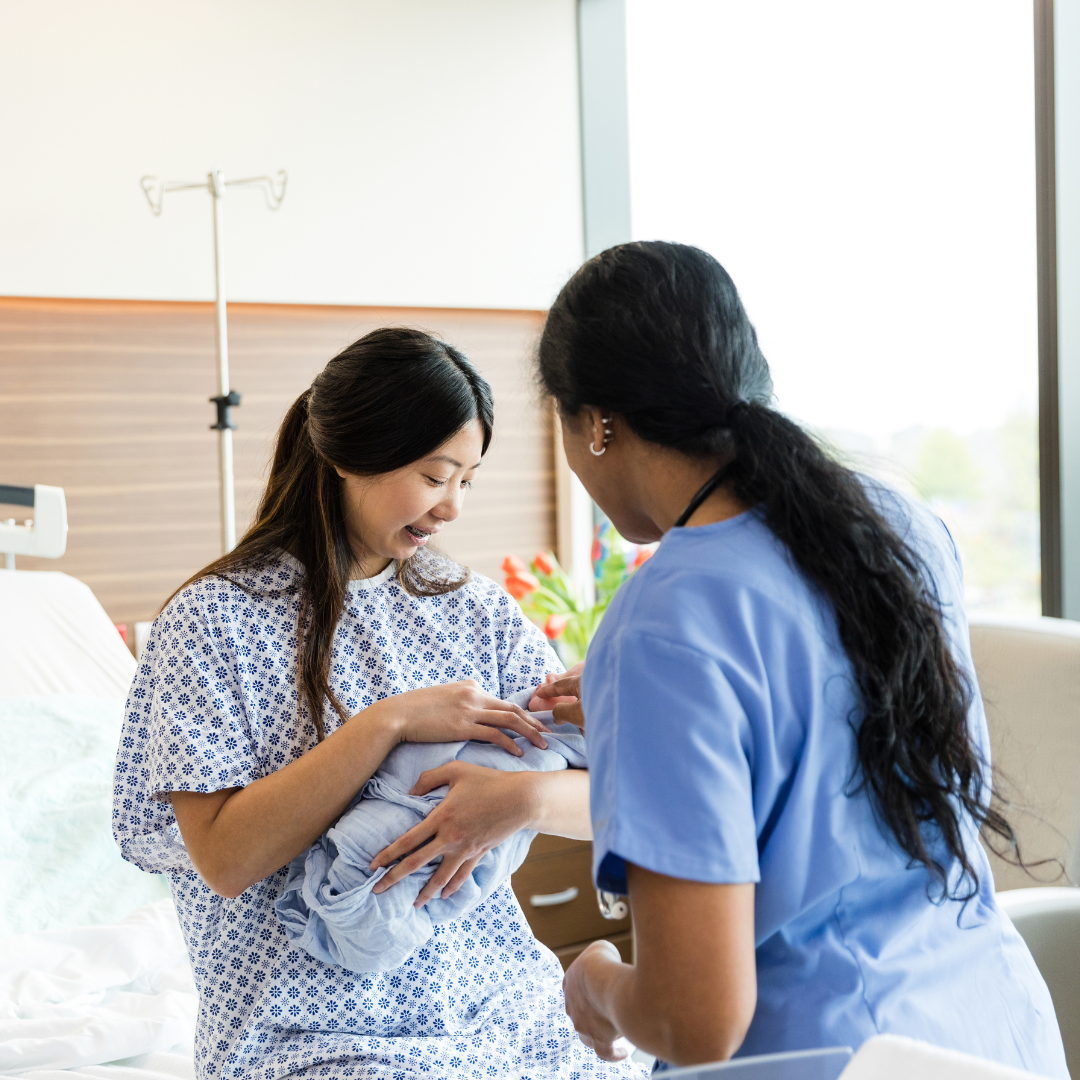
{"points": [[483, 808], [563, 696], [539, 704], [594, 1029]]}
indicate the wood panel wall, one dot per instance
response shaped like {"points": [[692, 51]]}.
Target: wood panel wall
{"points": [[108, 400]]}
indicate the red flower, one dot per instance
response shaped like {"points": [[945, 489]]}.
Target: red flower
{"points": [[555, 626], [643, 556], [597, 551], [519, 585], [513, 565], [543, 563]]}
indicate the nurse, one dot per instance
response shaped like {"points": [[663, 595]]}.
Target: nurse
{"points": [[789, 757]]}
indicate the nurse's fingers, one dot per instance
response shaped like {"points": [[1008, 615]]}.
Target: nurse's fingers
{"points": [[567, 686], [569, 714], [619, 1050]]}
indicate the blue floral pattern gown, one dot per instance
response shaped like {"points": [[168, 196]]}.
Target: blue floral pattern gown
{"points": [[214, 705]]}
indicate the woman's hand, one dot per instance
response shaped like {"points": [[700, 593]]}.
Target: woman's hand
{"points": [[483, 808], [563, 696], [456, 712], [594, 1029]]}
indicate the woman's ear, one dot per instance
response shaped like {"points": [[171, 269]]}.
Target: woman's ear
{"points": [[342, 473]]}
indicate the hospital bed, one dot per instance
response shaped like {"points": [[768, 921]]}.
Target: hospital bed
{"points": [[94, 976]]}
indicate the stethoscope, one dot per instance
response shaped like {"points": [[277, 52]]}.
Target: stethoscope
{"points": [[614, 905]]}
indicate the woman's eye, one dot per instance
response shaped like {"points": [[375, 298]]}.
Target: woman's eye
{"points": [[436, 482], [466, 484]]}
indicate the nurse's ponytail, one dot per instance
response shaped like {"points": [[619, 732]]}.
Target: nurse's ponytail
{"points": [[656, 333]]}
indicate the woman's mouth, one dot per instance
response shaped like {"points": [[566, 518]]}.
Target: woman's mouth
{"points": [[418, 536]]}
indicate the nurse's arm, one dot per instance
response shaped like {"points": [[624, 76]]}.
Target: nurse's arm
{"points": [[691, 993]]}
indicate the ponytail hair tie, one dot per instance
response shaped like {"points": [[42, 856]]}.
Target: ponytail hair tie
{"points": [[733, 408]]}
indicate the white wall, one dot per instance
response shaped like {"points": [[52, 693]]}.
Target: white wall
{"points": [[432, 148]]}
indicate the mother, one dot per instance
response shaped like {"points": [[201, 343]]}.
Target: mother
{"points": [[788, 749], [274, 684]]}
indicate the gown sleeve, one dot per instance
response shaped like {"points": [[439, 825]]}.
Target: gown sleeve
{"points": [[199, 735], [525, 655]]}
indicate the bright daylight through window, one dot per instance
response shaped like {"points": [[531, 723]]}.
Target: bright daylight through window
{"points": [[865, 172]]}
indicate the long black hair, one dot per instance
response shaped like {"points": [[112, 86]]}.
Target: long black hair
{"points": [[386, 401], [656, 333]]}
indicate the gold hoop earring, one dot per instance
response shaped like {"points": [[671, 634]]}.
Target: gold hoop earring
{"points": [[607, 438]]}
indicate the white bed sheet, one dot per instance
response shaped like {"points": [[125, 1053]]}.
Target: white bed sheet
{"points": [[103, 1002], [114, 1001], [55, 638]]}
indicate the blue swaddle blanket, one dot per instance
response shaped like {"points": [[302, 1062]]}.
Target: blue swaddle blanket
{"points": [[327, 906]]}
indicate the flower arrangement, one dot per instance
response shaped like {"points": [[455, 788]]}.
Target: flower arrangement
{"points": [[550, 598]]}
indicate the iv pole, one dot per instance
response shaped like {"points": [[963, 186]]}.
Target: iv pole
{"points": [[226, 398]]}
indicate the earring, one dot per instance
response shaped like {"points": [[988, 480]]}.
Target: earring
{"points": [[607, 438]]}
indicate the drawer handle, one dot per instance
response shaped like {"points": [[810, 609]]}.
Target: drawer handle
{"points": [[553, 899]]}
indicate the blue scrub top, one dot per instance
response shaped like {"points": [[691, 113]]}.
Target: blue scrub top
{"points": [[719, 704]]}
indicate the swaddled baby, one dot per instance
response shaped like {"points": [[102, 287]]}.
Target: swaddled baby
{"points": [[327, 906]]}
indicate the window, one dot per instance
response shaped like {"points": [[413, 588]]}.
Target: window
{"points": [[865, 172]]}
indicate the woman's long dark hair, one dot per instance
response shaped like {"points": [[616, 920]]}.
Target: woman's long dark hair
{"points": [[656, 333], [386, 401]]}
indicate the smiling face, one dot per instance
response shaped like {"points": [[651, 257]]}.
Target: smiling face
{"points": [[393, 515]]}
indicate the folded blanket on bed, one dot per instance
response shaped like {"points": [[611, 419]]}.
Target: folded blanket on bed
{"points": [[328, 907]]}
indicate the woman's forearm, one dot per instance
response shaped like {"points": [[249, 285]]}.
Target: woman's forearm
{"points": [[239, 836], [562, 804]]}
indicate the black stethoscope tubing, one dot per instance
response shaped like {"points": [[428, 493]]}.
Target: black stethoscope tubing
{"points": [[705, 491]]}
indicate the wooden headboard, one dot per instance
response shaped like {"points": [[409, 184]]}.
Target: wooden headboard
{"points": [[108, 400]]}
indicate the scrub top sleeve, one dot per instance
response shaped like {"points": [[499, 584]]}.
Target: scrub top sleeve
{"points": [[671, 767], [199, 734]]}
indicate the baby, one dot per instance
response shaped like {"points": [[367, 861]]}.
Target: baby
{"points": [[328, 907]]}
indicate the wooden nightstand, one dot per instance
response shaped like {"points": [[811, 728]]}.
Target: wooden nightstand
{"points": [[554, 887]]}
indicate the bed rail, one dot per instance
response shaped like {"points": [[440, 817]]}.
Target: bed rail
{"points": [[44, 535]]}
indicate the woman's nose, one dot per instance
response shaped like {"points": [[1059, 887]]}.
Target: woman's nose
{"points": [[449, 506]]}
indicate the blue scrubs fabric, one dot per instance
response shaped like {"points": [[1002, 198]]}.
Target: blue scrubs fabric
{"points": [[720, 709]]}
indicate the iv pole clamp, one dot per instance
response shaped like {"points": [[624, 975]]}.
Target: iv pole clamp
{"points": [[226, 399]]}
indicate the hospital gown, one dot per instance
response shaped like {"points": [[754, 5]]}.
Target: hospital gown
{"points": [[213, 706]]}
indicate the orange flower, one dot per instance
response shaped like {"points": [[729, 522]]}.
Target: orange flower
{"points": [[543, 563], [519, 585], [513, 565], [642, 557], [555, 626]]}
